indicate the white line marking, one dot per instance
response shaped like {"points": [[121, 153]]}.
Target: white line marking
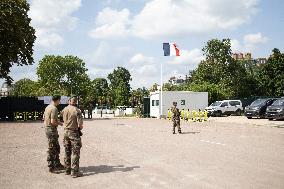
{"points": [[218, 143]]}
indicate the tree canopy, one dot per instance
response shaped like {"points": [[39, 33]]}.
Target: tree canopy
{"points": [[25, 87], [272, 74], [99, 91], [17, 36], [120, 86], [65, 74], [231, 76]]}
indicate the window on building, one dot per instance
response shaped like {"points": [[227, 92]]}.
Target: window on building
{"points": [[182, 102], [157, 102], [153, 102]]}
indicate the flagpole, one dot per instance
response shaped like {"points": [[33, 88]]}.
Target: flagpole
{"points": [[161, 88]]}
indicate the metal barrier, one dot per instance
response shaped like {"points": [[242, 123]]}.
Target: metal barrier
{"points": [[187, 115]]}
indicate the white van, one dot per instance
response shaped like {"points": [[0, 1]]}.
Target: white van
{"points": [[225, 107]]}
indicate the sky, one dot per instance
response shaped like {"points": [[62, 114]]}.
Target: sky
{"points": [[129, 33]]}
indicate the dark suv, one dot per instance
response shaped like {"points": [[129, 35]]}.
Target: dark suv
{"points": [[276, 110], [258, 108]]}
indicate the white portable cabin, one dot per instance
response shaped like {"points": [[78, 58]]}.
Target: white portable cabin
{"points": [[185, 100]]}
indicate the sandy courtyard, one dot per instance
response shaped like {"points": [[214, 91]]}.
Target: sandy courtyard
{"points": [[228, 152]]}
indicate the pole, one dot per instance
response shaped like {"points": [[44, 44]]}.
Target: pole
{"points": [[161, 88]]}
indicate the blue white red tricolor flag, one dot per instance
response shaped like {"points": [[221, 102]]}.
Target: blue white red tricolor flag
{"points": [[171, 49]]}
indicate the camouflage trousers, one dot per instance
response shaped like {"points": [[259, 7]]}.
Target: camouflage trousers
{"points": [[72, 144], [176, 123], [53, 147]]}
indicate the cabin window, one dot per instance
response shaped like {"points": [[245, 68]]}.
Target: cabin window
{"points": [[157, 102]]}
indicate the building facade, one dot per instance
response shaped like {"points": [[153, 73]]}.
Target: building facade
{"points": [[6, 89]]}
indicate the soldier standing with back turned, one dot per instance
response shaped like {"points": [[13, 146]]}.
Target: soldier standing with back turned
{"points": [[51, 122], [176, 118], [73, 123]]}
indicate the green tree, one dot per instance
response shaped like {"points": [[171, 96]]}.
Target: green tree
{"points": [[214, 68], [99, 91], [154, 88], [25, 87], [272, 74], [221, 69], [137, 96], [17, 36], [170, 87], [120, 86], [64, 74]]}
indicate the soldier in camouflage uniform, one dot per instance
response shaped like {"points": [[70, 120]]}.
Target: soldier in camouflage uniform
{"points": [[73, 123], [51, 122], [175, 118]]}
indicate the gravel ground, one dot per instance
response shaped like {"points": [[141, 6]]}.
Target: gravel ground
{"points": [[227, 152]]}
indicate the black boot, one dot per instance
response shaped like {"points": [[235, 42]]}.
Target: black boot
{"points": [[67, 171], [60, 167], [53, 170], [76, 174]]}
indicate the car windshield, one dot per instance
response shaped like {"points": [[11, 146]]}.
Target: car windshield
{"points": [[279, 102], [217, 103], [258, 102]]}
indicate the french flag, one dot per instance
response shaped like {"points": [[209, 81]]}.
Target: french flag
{"points": [[171, 49]]}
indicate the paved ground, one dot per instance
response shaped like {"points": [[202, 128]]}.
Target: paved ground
{"points": [[228, 152]]}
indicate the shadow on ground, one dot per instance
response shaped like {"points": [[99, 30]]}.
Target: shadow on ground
{"points": [[104, 118], [92, 170], [192, 132]]}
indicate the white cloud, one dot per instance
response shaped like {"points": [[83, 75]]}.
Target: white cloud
{"points": [[47, 38], [163, 18], [236, 46], [144, 69], [52, 17], [111, 24], [105, 58], [119, 1], [140, 59], [192, 57], [250, 42], [172, 18]]}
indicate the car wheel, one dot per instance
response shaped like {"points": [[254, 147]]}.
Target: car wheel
{"points": [[249, 117], [270, 119], [238, 112], [219, 114], [262, 117]]}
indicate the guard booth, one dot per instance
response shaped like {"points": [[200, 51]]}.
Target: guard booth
{"points": [[185, 100]]}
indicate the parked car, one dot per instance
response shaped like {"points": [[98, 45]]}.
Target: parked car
{"points": [[258, 108], [276, 110], [225, 107]]}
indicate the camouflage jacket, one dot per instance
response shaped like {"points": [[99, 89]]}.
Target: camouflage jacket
{"points": [[175, 112]]}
